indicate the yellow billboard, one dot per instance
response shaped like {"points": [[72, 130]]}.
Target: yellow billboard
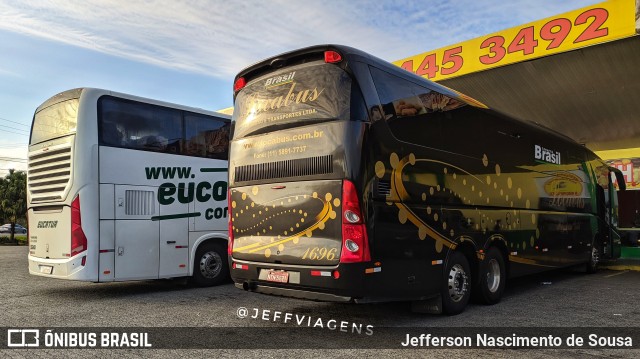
{"points": [[587, 26]]}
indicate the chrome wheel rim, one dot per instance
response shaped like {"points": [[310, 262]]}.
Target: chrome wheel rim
{"points": [[210, 264], [458, 283], [493, 276], [595, 256]]}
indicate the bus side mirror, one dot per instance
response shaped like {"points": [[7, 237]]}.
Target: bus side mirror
{"points": [[622, 185]]}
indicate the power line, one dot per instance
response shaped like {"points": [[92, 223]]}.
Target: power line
{"points": [[16, 133], [19, 123], [13, 128], [13, 159]]}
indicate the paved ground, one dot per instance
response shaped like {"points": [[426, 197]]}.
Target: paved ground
{"points": [[556, 299]]}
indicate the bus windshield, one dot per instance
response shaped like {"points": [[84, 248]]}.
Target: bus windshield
{"points": [[291, 97], [55, 121]]}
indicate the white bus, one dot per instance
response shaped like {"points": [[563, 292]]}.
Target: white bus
{"points": [[127, 188]]}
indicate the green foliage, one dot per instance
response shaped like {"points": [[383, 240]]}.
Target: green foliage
{"points": [[13, 198]]}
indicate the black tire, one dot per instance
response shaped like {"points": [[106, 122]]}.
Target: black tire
{"points": [[456, 286], [594, 259], [492, 278], [210, 266]]}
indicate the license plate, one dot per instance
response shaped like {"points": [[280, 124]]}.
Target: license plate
{"points": [[46, 269], [278, 276]]}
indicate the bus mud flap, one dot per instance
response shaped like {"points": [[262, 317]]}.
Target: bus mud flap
{"points": [[427, 306]]}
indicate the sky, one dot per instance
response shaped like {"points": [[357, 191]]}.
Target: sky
{"points": [[188, 52]]}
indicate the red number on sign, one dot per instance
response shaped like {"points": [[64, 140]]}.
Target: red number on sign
{"points": [[593, 31], [555, 31], [495, 45], [452, 55], [428, 66], [524, 41], [408, 65]]}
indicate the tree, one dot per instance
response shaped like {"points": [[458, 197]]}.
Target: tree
{"points": [[13, 198]]}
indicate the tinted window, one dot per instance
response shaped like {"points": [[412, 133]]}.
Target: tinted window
{"points": [[294, 96], [206, 137], [413, 112], [140, 126], [55, 121]]}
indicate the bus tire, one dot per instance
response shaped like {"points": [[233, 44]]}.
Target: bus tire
{"points": [[491, 277], [456, 286], [210, 265], [594, 259]]}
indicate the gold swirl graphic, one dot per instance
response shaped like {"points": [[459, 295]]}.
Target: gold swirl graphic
{"points": [[327, 212], [406, 213]]}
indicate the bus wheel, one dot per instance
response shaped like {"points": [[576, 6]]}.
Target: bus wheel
{"points": [[492, 277], [592, 265], [210, 265], [456, 285]]}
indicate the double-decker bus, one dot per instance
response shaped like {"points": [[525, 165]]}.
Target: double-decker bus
{"points": [[354, 180], [126, 188]]}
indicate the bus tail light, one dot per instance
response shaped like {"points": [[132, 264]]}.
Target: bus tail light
{"points": [[230, 242], [78, 239], [332, 57], [355, 244], [239, 84]]}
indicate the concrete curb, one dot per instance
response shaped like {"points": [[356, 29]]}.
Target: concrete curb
{"points": [[622, 264]]}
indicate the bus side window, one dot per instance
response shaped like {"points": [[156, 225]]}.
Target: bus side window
{"points": [[140, 126], [111, 134], [413, 112], [206, 137]]}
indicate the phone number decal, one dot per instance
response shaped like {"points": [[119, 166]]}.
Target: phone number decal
{"points": [[587, 26]]}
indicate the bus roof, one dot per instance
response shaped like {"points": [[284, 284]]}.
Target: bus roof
{"points": [[316, 52], [77, 92]]}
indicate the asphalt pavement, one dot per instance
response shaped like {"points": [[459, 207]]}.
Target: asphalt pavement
{"points": [[565, 299]]}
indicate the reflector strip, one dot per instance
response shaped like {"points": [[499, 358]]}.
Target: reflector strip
{"points": [[240, 266], [317, 273], [106, 250], [436, 262], [373, 270]]}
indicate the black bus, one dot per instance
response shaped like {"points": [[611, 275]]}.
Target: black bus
{"points": [[354, 180]]}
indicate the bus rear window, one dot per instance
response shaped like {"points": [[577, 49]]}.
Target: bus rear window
{"points": [[294, 96], [55, 121]]}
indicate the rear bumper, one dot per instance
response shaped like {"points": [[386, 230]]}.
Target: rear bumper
{"points": [[293, 293], [339, 283], [65, 268]]}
